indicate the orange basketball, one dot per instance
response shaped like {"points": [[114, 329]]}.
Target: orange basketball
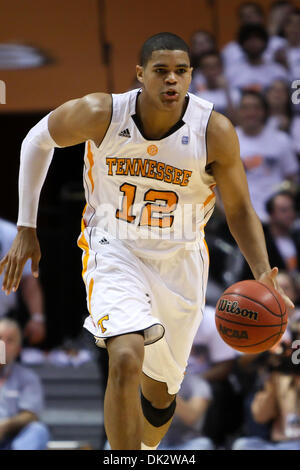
{"points": [[251, 317]]}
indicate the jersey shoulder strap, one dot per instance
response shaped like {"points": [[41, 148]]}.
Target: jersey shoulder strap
{"points": [[197, 114], [123, 105]]}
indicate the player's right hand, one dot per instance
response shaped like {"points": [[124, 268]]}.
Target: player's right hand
{"points": [[24, 246]]}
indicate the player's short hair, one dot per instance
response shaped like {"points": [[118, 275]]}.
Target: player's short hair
{"points": [[270, 204], [249, 30], [162, 41]]}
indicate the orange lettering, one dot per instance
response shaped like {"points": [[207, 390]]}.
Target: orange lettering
{"points": [[110, 162]]}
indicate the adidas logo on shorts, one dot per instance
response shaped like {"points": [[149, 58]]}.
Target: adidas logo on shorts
{"points": [[125, 133], [104, 241]]}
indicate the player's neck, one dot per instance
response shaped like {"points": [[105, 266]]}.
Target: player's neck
{"points": [[156, 123]]}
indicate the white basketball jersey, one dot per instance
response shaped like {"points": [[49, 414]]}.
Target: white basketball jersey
{"points": [[155, 195]]}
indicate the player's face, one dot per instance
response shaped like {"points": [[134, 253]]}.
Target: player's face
{"points": [[166, 78]]}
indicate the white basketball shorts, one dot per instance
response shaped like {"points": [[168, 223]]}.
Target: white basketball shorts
{"points": [[163, 297]]}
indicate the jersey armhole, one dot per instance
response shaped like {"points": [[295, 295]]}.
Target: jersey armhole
{"points": [[108, 127]]}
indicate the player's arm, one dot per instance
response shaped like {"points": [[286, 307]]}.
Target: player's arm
{"points": [[72, 123], [245, 226]]}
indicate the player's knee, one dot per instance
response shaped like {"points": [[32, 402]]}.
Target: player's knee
{"points": [[157, 416], [124, 366], [162, 401]]}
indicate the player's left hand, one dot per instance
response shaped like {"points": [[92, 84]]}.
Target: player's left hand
{"points": [[269, 278]]}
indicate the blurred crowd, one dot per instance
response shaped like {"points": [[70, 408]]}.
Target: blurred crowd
{"points": [[227, 399]]}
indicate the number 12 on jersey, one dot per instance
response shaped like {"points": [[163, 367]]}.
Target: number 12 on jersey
{"points": [[147, 218]]}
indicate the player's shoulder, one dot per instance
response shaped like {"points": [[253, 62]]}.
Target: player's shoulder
{"points": [[222, 140], [219, 125], [98, 104]]}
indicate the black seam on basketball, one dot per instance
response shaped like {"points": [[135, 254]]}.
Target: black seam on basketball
{"points": [[271, 293], [255, 344], [255, 301], [248, 324]]}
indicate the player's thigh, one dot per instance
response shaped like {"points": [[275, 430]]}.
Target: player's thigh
{"points": [[156, 392]]}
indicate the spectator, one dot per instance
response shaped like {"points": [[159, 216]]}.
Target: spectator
{"points": [[280, 106], [289, 286], [283, 243], [250, 13], [279, 404], [279, 11], [201, 43], [185, 432], [267, 154], [21, 397], [255, 73], [216, 87], [288, 53], [295, 132], [31, 292]]}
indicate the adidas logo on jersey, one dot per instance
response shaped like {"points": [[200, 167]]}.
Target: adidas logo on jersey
{"points": [[125, 133], [104, 241]]}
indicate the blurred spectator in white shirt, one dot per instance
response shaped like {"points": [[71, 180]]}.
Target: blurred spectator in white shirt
{"points": [[30, 289], [281, 115], [255, 73], [288, 53], [280, 106], [248, 14], [216, 88], [295, 132], [278, 13], [267, 153], [21, 397]]}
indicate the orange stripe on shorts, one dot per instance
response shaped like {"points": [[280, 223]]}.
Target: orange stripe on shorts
{"points": [[91, 286]]}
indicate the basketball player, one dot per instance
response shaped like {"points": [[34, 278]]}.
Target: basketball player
{"points": [[152, 157]]}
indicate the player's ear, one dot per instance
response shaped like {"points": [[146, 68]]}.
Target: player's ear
{"points": [[140, 73]]}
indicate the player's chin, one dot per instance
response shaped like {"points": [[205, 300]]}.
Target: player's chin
{"points": [[171, 102]]}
